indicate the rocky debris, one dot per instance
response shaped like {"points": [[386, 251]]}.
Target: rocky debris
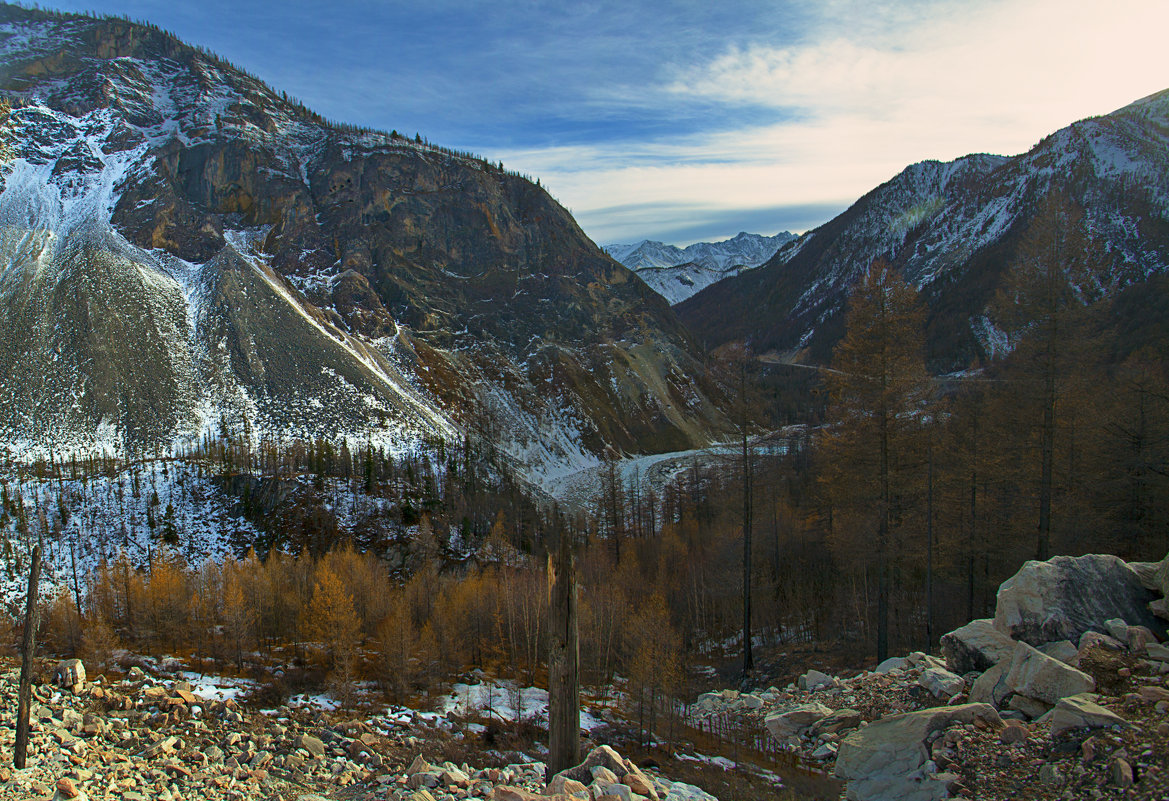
{"points": [[145, 739], [1064, 597], [976, 646], [604, 773], [731, 701], [890, 758], [1068, 686]]}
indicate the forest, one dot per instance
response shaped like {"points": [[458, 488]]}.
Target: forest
{"points": [[869, 533]]}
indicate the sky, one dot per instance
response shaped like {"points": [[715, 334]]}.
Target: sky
{"points": [[692, 120]]}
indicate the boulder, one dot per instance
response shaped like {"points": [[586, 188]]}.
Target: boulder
{"points": [[814, 680], [615, 769], [70, 673], [561, 785], [1063, 650], [504, 792], [1065, 596], [976, 646], [1081, 711], [792, 721], [838, 721], [991, 687], [892, 663], [1118, 629], [1139, 636], [1094, 639], [1157, 651], [941, 682], [1160, 608], [888, 758], [1154, 575], [67, 791], [316, 747], [1036, 675], [1031, 707]]}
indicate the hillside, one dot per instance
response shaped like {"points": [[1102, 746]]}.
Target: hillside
{"points": [[188, 251], [952, 228]]}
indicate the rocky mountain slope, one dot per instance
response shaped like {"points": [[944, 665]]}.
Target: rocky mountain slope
{"points": [[185, 250], [952, 228], [677, 273]]}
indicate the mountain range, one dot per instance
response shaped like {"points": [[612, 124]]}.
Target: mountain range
{"points": [[953, 228], [677, 273], [186, 251]]}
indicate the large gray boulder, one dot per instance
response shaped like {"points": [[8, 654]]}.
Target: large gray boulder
{"points": [[792, 721], [887, 759], [1036, 675], [1065, 596], [976, 646]]}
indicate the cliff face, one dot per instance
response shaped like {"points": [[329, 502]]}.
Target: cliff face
{"points": [[185, 249]]}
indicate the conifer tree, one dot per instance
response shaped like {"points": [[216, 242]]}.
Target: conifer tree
{"points": [[1041, 307], [877, 385]]}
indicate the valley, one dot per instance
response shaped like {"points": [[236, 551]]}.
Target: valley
{"points": [[351, 463]]}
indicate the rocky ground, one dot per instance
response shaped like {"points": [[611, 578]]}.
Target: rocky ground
{"points": [[151, 737], [1057, 697]]}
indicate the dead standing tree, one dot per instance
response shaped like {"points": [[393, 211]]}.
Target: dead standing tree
{"points": [[563, 660], [28, 648]]}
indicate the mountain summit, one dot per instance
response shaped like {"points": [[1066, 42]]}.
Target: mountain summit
{"points": [[677, 273], [187, 250], [952, 228]]}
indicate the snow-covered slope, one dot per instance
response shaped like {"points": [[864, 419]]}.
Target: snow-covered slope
{"points": [[184, 250], [677, 273], [952, 227]]}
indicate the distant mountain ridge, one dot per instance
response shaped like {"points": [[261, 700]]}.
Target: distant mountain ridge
{"points": [[952, 228], [677, 273]]}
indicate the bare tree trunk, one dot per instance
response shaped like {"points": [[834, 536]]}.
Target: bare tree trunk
{"points": [[1043, 546], [929, 569], [748, 656], [28, 648], [563, 662]]}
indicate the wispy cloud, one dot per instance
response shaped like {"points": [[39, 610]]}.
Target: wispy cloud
{"points": [[863, 96]]}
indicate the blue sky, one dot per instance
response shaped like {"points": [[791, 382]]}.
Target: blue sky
{"points": [[686, 121]]}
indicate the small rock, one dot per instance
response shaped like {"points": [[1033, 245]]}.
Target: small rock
{"points": [[313, 745], [65, 787], [1051, 774], [1120, 772], [1014, 732]]}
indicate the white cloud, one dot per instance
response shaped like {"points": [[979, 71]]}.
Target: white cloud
{"points": [[865, 96]]}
